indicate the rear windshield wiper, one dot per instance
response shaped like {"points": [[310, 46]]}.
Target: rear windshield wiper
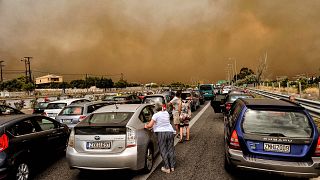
{"points": [[277, 134]]}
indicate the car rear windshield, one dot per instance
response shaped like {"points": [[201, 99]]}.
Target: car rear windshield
{"points": [[206, 87], [109, 117], [154, 99], [277, 123], [41, 105], [56, 105], [235, 97], [119, 98], [74, 110]]}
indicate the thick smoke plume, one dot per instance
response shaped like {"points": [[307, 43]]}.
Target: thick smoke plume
{"points": [[161, 41]]}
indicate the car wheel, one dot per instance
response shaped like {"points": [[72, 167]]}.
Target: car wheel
{"points": [[148, 160], [22, 171]]}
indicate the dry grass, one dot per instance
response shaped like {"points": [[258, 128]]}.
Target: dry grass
{"points": [[309, 93]]}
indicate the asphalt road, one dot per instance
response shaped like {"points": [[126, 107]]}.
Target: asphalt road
{"points": [[200, 158]]}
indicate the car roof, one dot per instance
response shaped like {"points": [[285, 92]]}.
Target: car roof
{"points": [[14, 118], [68, 101], [155, 95], [87, 103], [120, 108], [270, 103]]}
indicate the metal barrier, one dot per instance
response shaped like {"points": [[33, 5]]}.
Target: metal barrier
{"points": [[312, 106]]}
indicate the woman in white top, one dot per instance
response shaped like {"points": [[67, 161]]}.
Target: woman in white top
{"points": [[160, 123]]}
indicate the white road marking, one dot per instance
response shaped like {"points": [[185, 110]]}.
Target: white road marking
{"points": [[158, 160]]}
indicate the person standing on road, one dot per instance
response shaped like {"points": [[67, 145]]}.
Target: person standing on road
{"points": [[176, 103], [185, 117], [160, 122]]}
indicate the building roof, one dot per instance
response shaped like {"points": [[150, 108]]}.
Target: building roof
{"points": [[49, 76]]}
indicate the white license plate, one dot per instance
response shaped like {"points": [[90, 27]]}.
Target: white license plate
{"points": [[282, 148], [52, 115], [66, 121], [99, 145]]}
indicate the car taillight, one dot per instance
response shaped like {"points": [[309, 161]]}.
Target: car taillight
{"points": [[45, 113], [71, 139], [234, 141], [82, 118], [164, 107], [317, 151], [4, 142], [228, 106], [131, 137]]}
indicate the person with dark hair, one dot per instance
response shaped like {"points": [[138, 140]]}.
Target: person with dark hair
{"points": [[160, 122], [176, 110]]}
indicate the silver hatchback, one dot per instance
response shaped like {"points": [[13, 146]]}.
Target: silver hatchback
{"points": [[113, 137]]}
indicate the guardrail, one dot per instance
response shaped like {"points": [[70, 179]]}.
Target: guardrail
{"points": [[312, 106]]}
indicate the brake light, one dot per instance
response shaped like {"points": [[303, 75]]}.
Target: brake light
{"points": [[71, 139], [164, 107], [4, 142], [317, 151], [82, 118], [45, 113], [228, 106], [131, 137], [234, 141]]}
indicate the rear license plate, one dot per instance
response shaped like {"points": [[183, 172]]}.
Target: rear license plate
{"points": [[282, 148], [52, 115], [99, 145], [66, 121]]}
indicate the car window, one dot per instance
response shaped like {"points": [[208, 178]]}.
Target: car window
{"points": [[147, 113], [234, 114], [72, 110], [154, 99], [46, 124], [56, 105], [277, 123], [22, 128], [109, 117], [141, 117]]}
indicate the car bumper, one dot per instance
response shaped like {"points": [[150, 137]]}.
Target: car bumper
{"points": [[292, 169], [3, 173], [208, 96], [127, 159]]}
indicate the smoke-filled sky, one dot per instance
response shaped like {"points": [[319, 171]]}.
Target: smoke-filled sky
{"points": [[160, 41]]}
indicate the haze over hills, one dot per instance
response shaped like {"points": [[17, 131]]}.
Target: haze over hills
{"points": [[152, 41]]}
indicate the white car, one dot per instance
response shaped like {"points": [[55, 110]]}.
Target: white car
{"points": [[54, 108]]}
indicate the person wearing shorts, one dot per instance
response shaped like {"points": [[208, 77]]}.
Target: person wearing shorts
{"points": [[185, 117], [176, 110]]}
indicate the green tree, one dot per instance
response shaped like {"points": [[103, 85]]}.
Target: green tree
{"points": [[121, 84], [28, 87], [104, 83], [79, 83]]}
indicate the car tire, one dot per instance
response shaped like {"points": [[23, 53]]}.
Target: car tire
{"points": [[21, 171], [148, 162]]}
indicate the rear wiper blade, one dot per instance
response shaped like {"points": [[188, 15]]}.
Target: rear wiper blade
{"points": [[277, 134]]}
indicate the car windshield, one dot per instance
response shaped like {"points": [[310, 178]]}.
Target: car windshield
{"points": [[41, 105], [109, 117], [154, 99], [72, 110], [205, 87], [56, 105], [235, 97], [277, 123], [108, 98]]}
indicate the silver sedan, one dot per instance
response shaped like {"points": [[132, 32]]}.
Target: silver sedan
{"points": [[113, 137]]}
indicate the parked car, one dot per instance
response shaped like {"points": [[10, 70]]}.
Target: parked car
{"points": [[54, 108], [194, 103], [40, 107], [164, 99], [232, 97], [113, 137], [225, 89], [207, 90], [126, 99], [200, 95], [74, 113], [26, 140], [7, 110], [274, 136]]}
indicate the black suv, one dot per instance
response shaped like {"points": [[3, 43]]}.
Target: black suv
{"points": [[26, 140]]}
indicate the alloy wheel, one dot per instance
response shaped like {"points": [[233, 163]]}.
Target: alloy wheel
{"points": [[22, 172]]}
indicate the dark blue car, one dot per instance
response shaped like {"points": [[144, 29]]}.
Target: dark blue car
{"points": [[274, 136]]}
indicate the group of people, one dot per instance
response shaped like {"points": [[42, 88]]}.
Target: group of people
{"points": [[160, 122]]}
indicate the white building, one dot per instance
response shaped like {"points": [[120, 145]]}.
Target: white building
{"points": [[49, 79]]}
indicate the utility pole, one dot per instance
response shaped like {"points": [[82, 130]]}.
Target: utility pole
{"points": [[121, 78], [28, 68], [1, 70]]}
